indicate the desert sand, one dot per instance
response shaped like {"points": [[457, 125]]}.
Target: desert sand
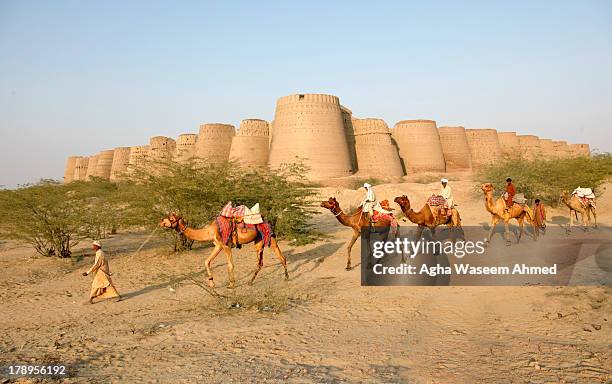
{"points": [[320, 326]]}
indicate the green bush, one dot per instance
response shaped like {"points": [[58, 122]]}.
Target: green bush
{"points": [[545, 179], [198, 193], [53, 217]]}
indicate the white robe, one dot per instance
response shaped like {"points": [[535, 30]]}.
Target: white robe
{"points": [[369, 201], [447, 193]]}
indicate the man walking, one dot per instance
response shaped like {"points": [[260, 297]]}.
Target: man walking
{"points": [[102, 285]]}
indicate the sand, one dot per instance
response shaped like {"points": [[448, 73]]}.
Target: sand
{"points": [[320, 326]]}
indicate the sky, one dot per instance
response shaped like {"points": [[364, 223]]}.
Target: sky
{"points": [[78, 77]]}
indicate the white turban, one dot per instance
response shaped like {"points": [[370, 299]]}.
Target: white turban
{"points": [[97, 243], [444, 181], [366, 185]]}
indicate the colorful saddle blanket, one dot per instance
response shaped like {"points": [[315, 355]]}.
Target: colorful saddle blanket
{"points": [[378, 216], [435, 200], [227, 226]]}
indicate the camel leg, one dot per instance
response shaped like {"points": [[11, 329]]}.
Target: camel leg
{"points": [[279, 255], [230, 266], [419, 232], [521, 221], [356, 235], [594, 216], [207, 263], [494, 221], [507, 231], [260, 250]]}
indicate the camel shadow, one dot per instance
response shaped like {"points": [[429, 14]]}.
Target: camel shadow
{"points": [[317, 255], [173, 281]]}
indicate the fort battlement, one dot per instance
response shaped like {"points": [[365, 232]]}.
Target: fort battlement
{"points": [[455, 148], [419, 146]]}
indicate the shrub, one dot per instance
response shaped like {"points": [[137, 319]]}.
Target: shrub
{"points": [[545, 179]]}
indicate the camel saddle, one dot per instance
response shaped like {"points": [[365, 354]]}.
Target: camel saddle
{"points": [[585, 196]]}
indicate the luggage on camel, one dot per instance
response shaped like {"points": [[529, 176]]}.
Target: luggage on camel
{"points": [[519, 198], [232, 219], [585, 196]]}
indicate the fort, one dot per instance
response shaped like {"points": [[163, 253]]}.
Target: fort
{"points": [[324, 135], [250, 144]]}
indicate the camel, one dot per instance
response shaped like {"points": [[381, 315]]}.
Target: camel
{"points": [[355, 220], [498, 211], [425, 217], [210, 233], [575, 207]]}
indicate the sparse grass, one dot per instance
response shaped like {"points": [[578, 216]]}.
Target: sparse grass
{"points": [[545, 179], [358, 183]]}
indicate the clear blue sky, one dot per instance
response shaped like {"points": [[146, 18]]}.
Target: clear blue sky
{"points": [[77, 77]]}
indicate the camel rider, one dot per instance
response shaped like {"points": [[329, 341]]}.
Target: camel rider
{"points": [[510, 192], [447, 193], [368, 202]]}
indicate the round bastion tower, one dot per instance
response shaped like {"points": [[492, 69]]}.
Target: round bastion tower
{"points": [[310, 128], [121, 160], [69, 169], [484, 146], [80, 168], [419, 146], [104, 164], [214, 142], [91, 167], [185, 147], [455, 148], [376, 155], [250, 144], [509, 143]]}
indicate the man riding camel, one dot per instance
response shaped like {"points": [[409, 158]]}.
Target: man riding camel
{"points": [[509, 194], [447, 193], [369, 201]]}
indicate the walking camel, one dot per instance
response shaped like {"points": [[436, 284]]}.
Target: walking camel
{"points": [[575, 207], [211, 232], [355, 220], [425, 217], [498, 212]]}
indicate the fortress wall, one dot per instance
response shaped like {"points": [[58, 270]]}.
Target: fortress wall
{"points": [[214, 142], [530, 146], [161, 148], [91, 167], [419, 146], [455, 148], [185, 147], [138, 157], [310, 127], [578, 150], [562, 149], [548, 149], [347, 121], [69, 169], [376, 155], [80, 168], [121, 159], [250, 144], [104, 164], [484, 146], [509, 143]]}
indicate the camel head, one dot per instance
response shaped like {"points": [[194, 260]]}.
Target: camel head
{"points": [[171, 221], [487, 187], [331, 204], [564, 196], [403, 202]]}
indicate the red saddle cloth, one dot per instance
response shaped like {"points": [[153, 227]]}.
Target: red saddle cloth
{"points": [[434, 200], [227, 226], [377, 216]]}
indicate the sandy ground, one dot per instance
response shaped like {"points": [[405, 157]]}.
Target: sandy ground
{"points": [[320, 326]]}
